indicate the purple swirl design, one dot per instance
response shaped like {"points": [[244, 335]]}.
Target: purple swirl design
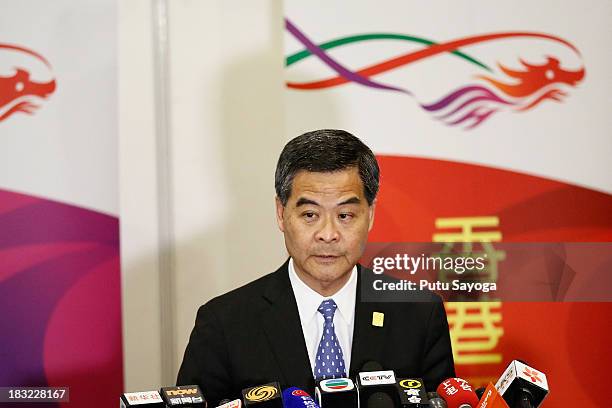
{"points": [[60, 299], [470, 105]]}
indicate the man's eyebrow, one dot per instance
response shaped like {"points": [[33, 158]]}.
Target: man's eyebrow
{"points": [[305, 201], [352, 200]]}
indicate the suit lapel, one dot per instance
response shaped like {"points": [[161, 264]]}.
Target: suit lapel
{"points": [[284, 331], [368, 340]]}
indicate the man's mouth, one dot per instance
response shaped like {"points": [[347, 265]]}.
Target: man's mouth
{"points": [[326, 258]]}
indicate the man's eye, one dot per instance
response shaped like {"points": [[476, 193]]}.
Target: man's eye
{"points": [[345, 216], [309, 215]]}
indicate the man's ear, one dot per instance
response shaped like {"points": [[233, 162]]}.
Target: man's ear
{"points": [[372, 211], [280, 210]]}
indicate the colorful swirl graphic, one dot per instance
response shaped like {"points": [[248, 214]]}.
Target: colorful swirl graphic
{"points": [[469, 105], [59, 295]]}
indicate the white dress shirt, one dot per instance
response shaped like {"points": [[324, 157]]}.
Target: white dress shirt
{"points": [[308, 302]]}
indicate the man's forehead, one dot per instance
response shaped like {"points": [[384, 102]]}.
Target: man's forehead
{"points": [[343, 184], [349, 175], [347, 180]]}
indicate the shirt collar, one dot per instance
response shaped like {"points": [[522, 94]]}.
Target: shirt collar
{"points": [[308, 300]]}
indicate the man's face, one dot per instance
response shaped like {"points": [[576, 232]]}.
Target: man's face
{"points": [[326, 223]]}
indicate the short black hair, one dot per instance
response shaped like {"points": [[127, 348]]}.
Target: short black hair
{"points": [[326, 150]]}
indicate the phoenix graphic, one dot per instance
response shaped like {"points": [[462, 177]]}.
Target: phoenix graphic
{"points": [[18, 91], [470, 105]]}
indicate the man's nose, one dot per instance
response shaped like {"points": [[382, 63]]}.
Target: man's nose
{"points": [[328, 231]]}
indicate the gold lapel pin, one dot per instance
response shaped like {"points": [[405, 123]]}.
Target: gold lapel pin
{"points": [[378, 319]]}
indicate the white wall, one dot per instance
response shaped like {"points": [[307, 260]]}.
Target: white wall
{"points": [[196, 166]]}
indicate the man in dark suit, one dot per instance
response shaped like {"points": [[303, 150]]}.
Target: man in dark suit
{"points": [[306, 321]]}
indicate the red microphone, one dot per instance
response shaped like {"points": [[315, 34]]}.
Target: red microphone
{"points": [[457, 393], [491, 398]]}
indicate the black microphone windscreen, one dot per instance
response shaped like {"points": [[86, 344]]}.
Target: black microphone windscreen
{"points": [[435, 401], [380, 400], [372, 366]]}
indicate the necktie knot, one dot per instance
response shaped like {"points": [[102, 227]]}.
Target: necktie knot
{"points": [[328, 308]]}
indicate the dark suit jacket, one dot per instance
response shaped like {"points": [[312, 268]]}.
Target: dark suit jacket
{"points": [[253, 335]]}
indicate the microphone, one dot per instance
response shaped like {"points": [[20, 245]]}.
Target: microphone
{"points": [[230, 404], [457, 393], [435, 401], [297, 398], [372, 384], [336, 393], [522, 386], [412, 393], [183, 396], [371, 366], [491, 398], [380, 400], [263, 396], [150, 398]]}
